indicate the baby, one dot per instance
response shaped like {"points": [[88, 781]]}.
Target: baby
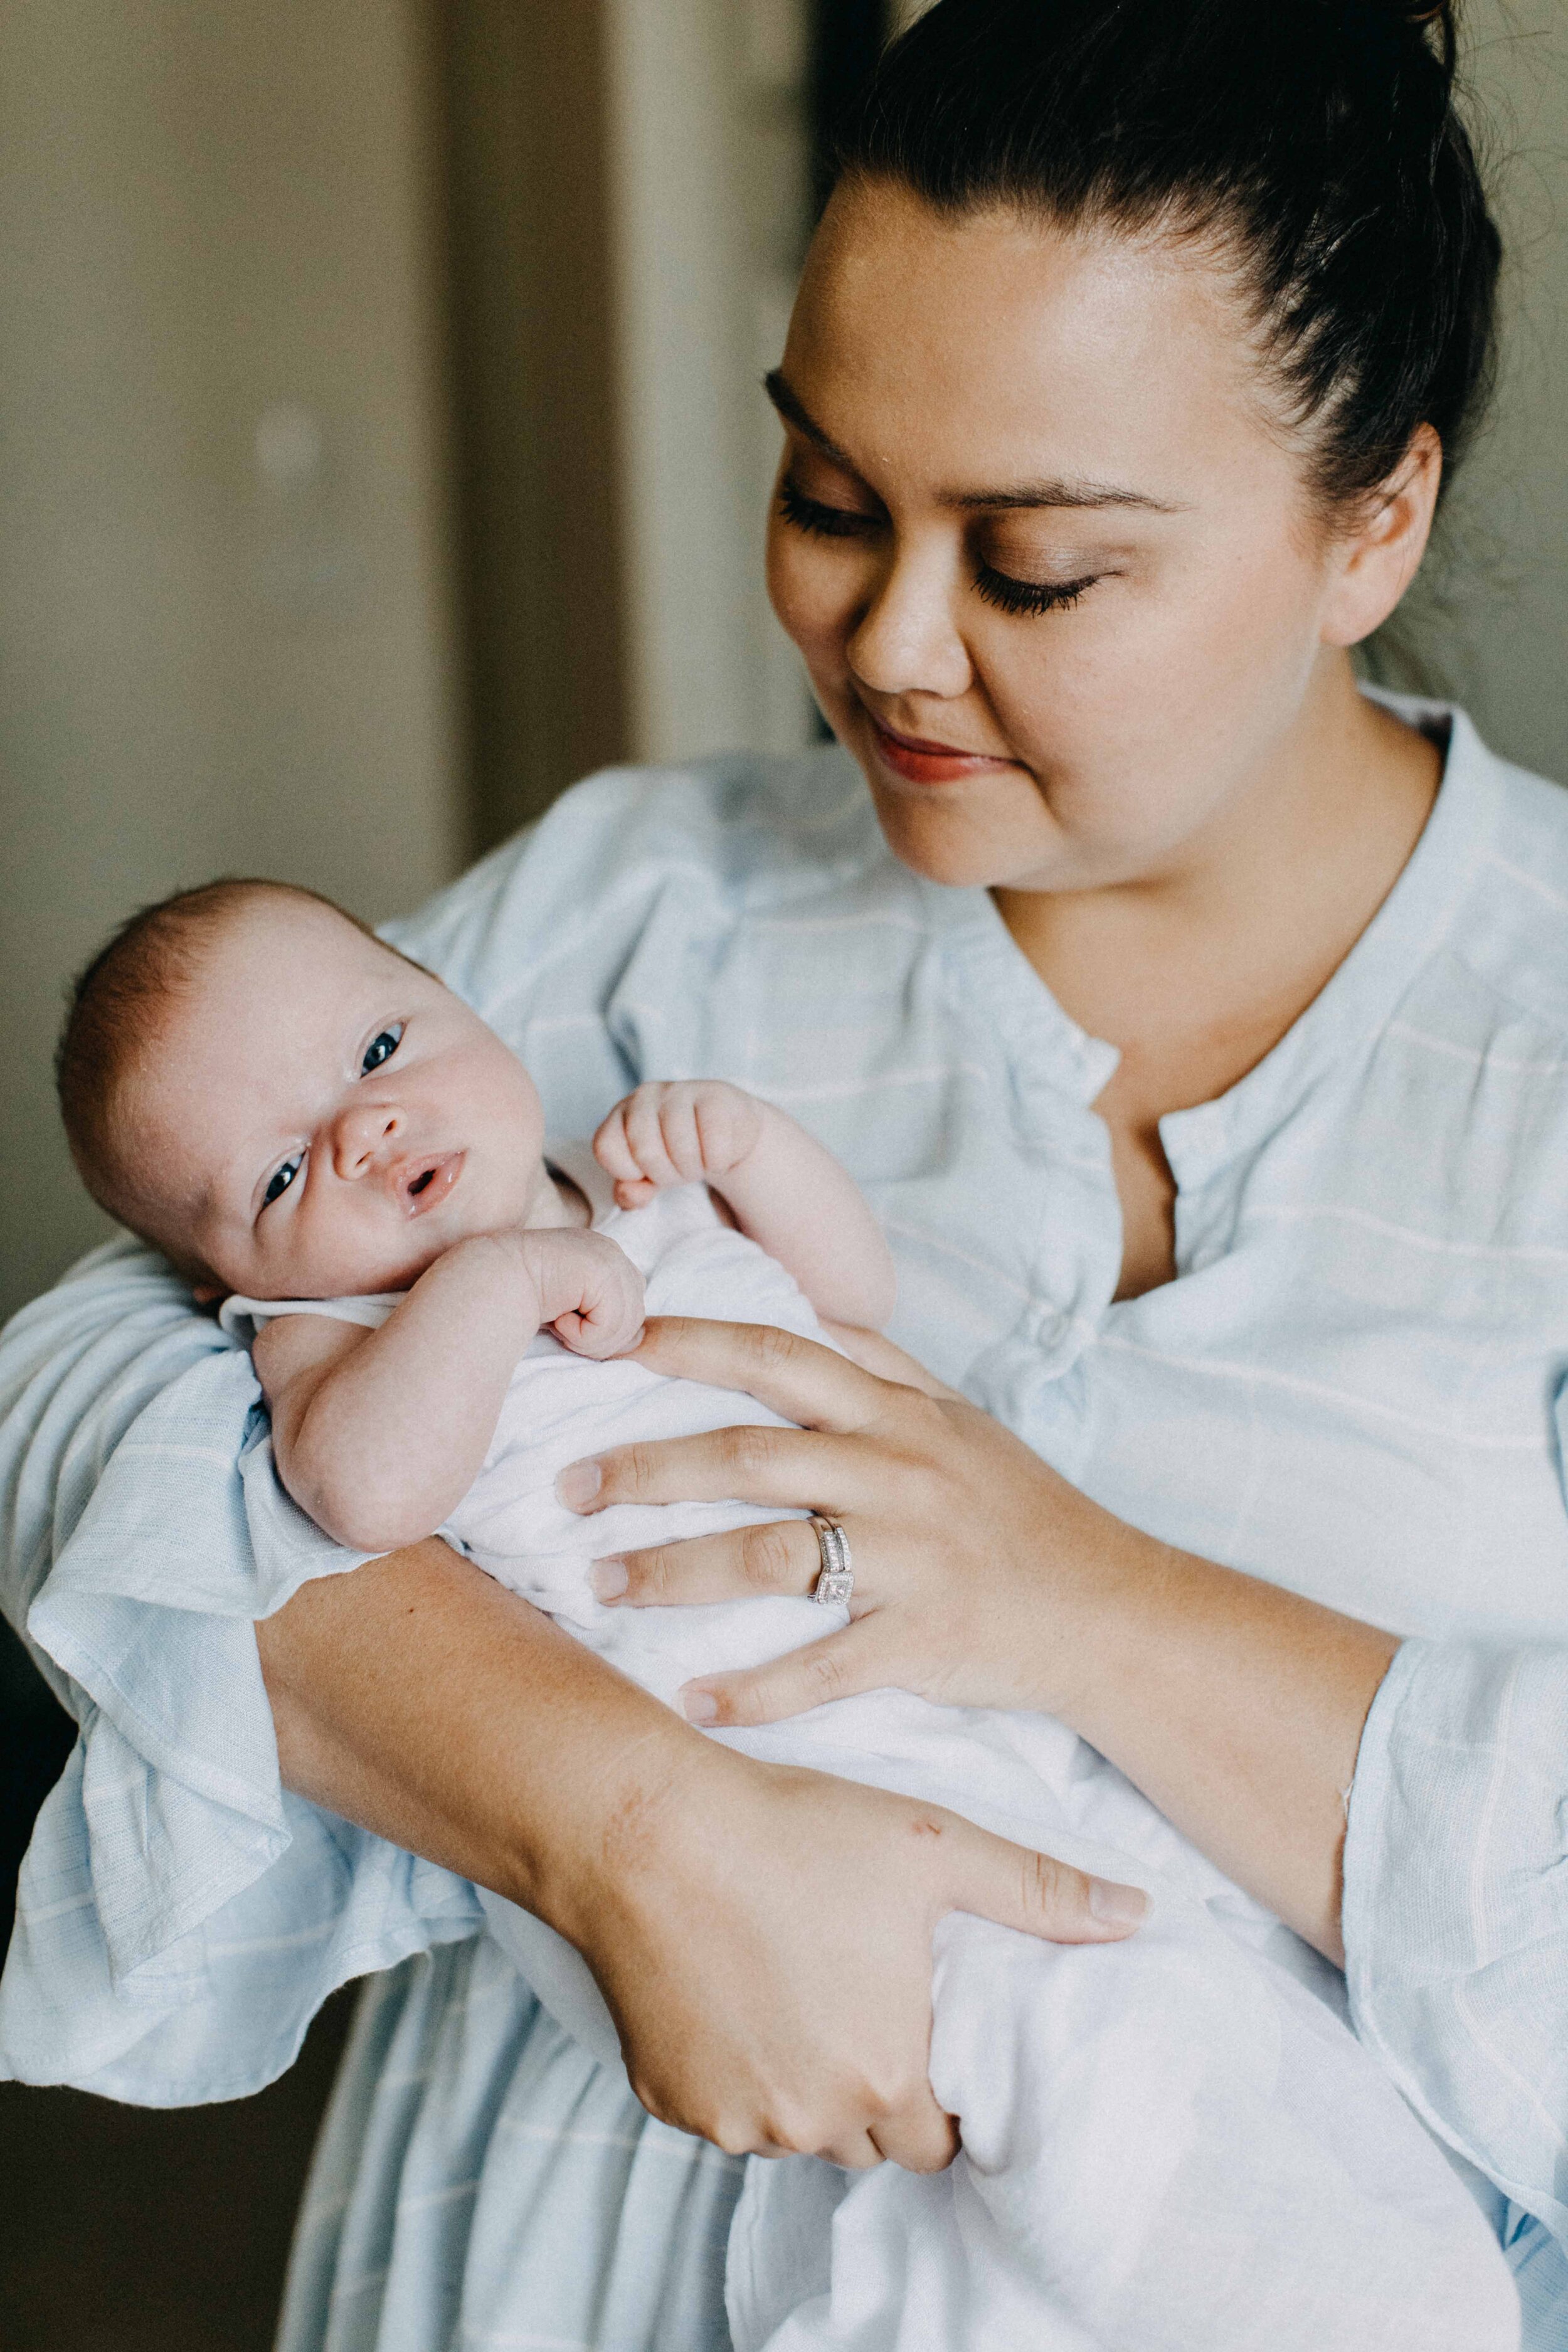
{"points": [[1170, 2144]]}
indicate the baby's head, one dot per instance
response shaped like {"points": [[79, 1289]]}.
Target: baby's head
{"points": [[284, 1106]]}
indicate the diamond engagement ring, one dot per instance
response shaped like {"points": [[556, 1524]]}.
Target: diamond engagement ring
{"points": [[836, 1581]]}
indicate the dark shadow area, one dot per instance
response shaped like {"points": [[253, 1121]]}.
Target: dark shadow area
{"points": [[36, 1738], [135, 2228], [141, 2229]]}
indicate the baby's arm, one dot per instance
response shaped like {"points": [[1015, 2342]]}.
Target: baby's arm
{"points": [[379, 1435], [785, 1191]]}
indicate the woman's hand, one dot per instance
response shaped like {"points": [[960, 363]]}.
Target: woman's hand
{"points": [[969, 1551], [763, 1937], [984, 1578]]}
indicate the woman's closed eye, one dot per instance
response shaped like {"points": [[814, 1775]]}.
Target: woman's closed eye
{"points": [[381, 1048], [1030, 597], [821, 520], [1027, 598]]}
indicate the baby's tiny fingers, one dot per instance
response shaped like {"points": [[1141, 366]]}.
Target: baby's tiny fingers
{"points": [[679, 1128], [634, 1192], [599, 1341], [611, 1148], [645, 1138]]}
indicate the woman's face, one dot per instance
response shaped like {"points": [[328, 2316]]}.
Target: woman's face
{"points": [[1035, 515]]}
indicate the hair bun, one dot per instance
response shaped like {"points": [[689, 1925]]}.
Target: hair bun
{"points": [[1421, 16], [1399, 21]]}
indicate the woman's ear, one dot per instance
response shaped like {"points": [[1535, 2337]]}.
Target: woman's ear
{"points": [[1377, 560]]}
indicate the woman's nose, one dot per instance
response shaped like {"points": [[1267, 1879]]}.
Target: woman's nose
{"points": [[362, 1133], [906, 641]]}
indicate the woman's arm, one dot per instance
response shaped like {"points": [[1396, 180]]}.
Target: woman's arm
{"points": [[984, 1578], [1456, 1911], [715, 1899]]}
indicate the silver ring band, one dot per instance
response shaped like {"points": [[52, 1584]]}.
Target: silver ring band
{"points": [[836, 1580]]}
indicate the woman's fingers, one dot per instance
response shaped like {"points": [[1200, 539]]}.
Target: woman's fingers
{"points": [[743, 1465], [853, 1659], [1017, 1888], [778, 1556], [874, 1352], [799, 1379]]}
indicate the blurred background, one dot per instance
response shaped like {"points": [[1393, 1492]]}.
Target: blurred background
{"points": [[381, 447]]}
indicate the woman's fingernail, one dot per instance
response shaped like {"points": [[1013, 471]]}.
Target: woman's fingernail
{"points": [[578, 1484], [701, 1706], [608, 1578], [1117, 1907]]}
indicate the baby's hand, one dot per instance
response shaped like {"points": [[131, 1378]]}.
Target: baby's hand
{"points": [[590, 1293], [676, 1133]]}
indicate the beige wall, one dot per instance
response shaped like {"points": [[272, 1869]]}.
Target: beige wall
{"points": [[233, 271], [709, 216], [223, 624], [538, 493], [1489, 622]]}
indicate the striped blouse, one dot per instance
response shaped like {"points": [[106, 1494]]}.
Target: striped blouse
{"points": [[1352, 1389]]}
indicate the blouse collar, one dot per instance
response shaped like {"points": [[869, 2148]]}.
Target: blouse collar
{"points": [[1410, 926]]}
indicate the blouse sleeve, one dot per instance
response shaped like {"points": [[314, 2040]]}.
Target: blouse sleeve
{"points": [[1455, 1916], [180, 1916]]}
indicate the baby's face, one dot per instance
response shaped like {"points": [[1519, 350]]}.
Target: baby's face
{"points": [[318, 1117]]}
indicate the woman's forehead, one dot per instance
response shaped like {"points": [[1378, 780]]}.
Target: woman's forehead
{"points": [[950, 345]]}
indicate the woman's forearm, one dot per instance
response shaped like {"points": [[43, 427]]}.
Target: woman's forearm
{"points": [[1236, 1706], [419, 1698], [984, 1578]]}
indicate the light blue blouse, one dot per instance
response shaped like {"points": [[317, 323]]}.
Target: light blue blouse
{"points": [[1353, 1389]]}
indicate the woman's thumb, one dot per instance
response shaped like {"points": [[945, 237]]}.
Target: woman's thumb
{"points": [[1046, 1897]]}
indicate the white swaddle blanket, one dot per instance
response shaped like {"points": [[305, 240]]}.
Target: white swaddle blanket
{"points": [[1172, 2144]]}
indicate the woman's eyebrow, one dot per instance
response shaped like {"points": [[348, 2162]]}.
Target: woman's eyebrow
{"points": [[1057, 494], [794, 410], [1024, 494]]}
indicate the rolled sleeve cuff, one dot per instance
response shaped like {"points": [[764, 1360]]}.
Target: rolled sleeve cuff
{"points": [[181, 1917], [1456, 1905]]}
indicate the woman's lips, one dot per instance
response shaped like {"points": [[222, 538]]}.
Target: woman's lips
{"points": [[424, 1183], [923, 763]]}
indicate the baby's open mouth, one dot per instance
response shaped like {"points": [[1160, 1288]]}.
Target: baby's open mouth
{"points": [[424, 1182]]}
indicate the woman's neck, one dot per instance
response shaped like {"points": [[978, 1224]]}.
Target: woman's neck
{"points": [[1235, 937], [1196, 974]]}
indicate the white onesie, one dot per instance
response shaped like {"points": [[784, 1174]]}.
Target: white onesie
{"points": [[1172, 2144]]}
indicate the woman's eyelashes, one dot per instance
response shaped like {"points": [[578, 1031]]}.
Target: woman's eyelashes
{"points": [[1025, 598], [1030, 597], [381, 1048], [820, 521]]}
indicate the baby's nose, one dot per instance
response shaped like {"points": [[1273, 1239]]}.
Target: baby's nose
{"points": [[363, 1131]]}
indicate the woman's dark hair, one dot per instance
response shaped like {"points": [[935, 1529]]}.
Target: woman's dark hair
{"points": [[1316, 140]]}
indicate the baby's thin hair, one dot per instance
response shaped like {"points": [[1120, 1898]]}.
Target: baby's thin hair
{"points": [[116, 1000]]}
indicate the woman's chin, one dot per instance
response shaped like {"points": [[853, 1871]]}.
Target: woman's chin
{"points": [[964, 846]]}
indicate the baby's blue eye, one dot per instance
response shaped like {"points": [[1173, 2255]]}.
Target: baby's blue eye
{"points": [[281, 1181], [381, 1049]]}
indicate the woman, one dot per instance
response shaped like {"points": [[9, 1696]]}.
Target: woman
{"points": [[1197, 1024]]}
